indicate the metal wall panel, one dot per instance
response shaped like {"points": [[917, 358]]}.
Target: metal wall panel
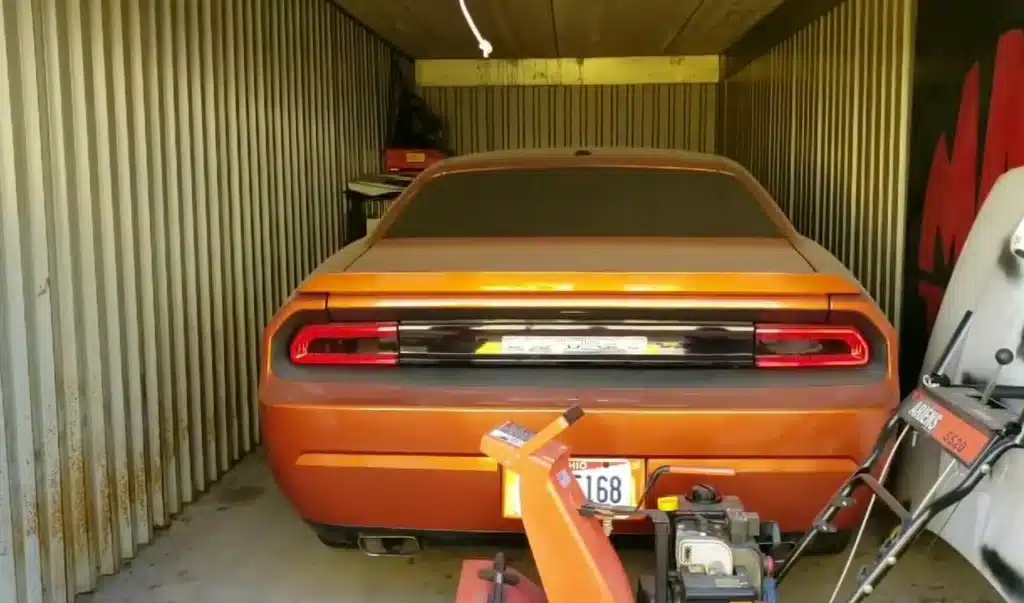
{"points": [[823, 121], [169, 171], [679, 116]]}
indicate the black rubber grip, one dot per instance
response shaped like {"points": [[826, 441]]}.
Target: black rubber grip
{"points": [[573, 414]]}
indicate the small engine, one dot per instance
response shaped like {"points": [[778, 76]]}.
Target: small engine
{"points": [[717, 547]]}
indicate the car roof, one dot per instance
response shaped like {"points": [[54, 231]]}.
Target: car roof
{"points": [[592, 156]]}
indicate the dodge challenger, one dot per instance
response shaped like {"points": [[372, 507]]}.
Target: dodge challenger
{"points": [[664, 291]]}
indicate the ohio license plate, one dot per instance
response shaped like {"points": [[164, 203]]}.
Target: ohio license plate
{"points": [[604, 481]]}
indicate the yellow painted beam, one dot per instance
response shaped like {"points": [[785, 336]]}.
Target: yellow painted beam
{"points": [[697, 69]]}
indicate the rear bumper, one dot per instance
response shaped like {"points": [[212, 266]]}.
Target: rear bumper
{"points": [[416, 466]]}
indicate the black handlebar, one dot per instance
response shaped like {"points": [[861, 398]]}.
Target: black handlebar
{"points": [[573, 414]]}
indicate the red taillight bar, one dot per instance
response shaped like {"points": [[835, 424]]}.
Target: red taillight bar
{"points": [[853, 348], [849, 347], [378, 331]]}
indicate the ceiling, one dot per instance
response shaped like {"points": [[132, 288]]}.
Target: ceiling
{"points": [[436, 29]]}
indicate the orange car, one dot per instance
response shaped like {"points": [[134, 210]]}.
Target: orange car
{"points": [[663, 291]]}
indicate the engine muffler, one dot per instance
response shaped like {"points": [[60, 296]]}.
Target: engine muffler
{"points": [[389, 545]]}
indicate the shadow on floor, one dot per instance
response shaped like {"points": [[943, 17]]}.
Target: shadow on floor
{"points": [[242, 542]]}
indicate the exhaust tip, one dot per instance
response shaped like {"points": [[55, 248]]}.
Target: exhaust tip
{"points": [[389, 545]]}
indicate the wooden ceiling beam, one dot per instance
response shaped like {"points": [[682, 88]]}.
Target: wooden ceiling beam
{"points": [[693, 69]]}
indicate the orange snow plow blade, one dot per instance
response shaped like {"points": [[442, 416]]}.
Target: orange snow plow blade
{"points": [[583, 567]]}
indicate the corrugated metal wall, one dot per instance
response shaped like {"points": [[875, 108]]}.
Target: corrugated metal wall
{"points": [[176, 168], [823, 121], [486, 118]]}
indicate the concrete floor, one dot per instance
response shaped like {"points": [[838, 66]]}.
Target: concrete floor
{"points": [[242, 542]]}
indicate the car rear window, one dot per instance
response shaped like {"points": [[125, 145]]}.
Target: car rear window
{"points": [[583, 202]]}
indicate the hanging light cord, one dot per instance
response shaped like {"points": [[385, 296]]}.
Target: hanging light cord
{"points": [[485, 46]]}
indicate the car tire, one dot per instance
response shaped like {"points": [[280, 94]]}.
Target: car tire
{"points": [[830, 543], [823, 544], [338, 538]]}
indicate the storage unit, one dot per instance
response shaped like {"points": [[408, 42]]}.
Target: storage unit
{"points": [[170, 170], [819, 112]]}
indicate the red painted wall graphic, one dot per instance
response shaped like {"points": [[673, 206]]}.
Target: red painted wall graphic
{"points": [[956, 187]]}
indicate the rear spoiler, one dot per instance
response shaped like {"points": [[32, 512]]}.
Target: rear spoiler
{"points": [[575, 283]]}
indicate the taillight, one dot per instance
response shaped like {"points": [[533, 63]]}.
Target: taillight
{"points": [[809, 346], [346, 344]]}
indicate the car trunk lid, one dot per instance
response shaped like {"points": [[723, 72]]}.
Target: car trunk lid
{"points": [[568, 303], [712, 255], [727, 268]]}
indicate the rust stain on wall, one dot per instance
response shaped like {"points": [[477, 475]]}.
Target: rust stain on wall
{"points": [[168, 173]]}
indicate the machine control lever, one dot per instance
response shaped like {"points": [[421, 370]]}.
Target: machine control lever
{"points": [[1003, 358]]}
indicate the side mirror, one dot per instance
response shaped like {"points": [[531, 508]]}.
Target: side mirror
{"points": [[1017, 240]]}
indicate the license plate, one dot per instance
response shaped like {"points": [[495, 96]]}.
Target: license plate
{"points": [[604, 481], [535, 345], [415, 157]]}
